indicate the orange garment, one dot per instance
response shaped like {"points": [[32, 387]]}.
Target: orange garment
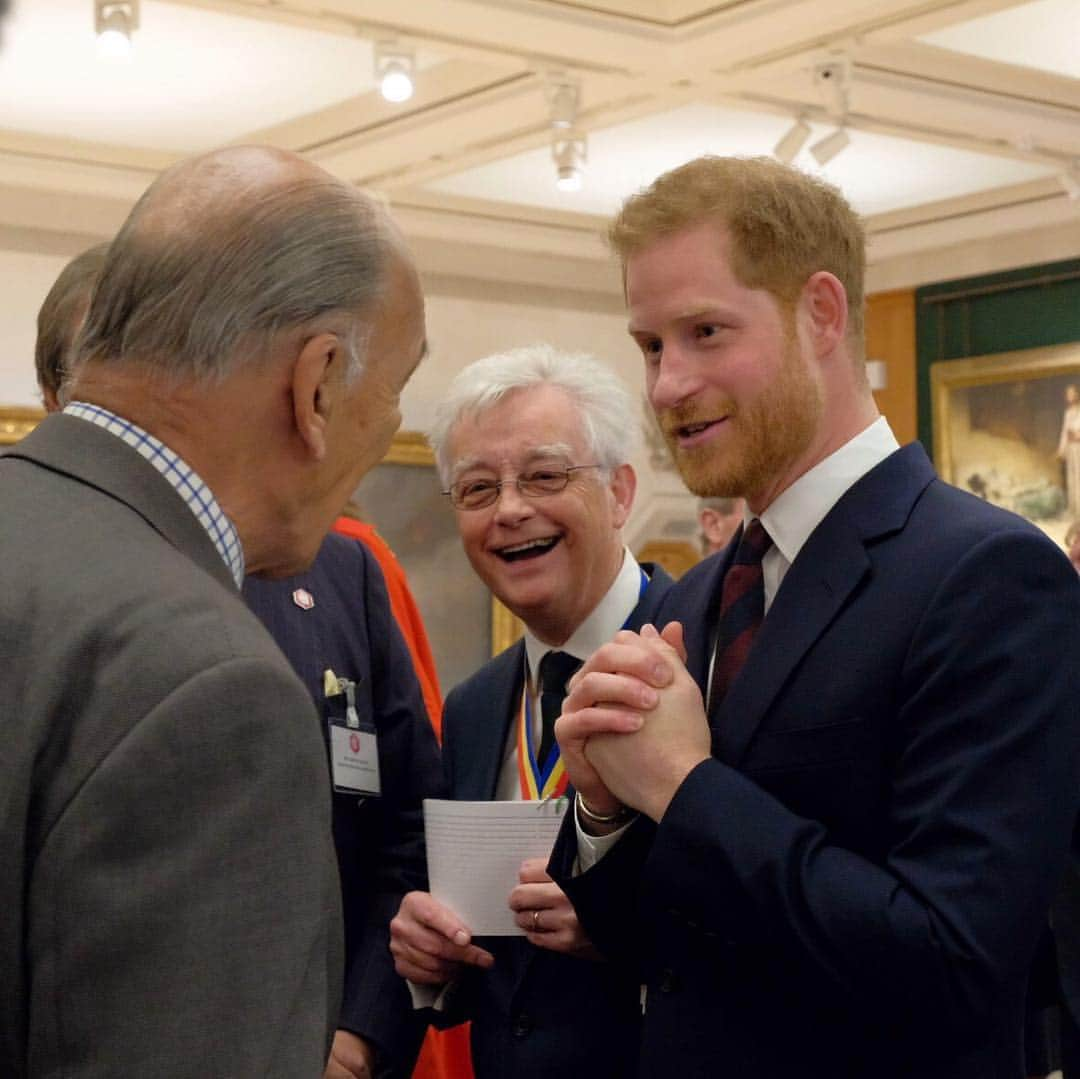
{"points": [[445, 1054], [406, 613]]}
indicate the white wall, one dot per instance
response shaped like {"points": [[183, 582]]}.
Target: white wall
{"points": [[26, 277]]}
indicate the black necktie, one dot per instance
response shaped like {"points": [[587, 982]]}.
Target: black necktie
{"points": [[556, 669], [742, 607]]}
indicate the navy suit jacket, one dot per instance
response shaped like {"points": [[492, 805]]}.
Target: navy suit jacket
{"points": [[379, 841], [854, 884], [536, 1013]]}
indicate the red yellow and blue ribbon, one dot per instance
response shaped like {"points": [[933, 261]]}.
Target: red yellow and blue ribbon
{"points": [[549, 781]]}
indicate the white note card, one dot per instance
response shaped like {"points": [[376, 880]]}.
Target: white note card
{"points": [[474, 853]]}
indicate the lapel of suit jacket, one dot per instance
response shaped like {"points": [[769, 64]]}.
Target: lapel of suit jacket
{"points": [[496, 696], [825, 573], [94, 456], [649, 603]]}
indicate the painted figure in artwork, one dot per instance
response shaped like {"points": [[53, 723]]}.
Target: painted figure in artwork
{"points": [[1069, 448]]}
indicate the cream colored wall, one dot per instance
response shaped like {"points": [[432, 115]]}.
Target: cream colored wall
{"points": [[26, 277]]}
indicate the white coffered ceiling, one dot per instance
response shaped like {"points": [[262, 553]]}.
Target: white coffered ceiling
{"points": [[963, 115]]}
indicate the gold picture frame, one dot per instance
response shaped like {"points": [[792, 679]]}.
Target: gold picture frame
{"points": [[17, 421], [997, 427]]}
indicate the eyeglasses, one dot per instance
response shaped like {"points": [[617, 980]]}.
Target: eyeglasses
{"points": [[479, 494]]}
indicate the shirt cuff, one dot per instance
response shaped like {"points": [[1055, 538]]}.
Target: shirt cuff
{"points": [[430, 996], [591, 848]]}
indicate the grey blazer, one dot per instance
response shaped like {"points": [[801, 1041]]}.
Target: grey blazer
{"points": [[168, 889]]}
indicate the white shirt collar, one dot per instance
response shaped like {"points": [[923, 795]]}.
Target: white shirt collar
{"points": [[605, 620], [795, 514]]}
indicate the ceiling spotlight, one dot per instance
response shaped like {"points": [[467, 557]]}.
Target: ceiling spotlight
{"points": [[787, 149], [563, 97], [568, 153], [824, 150], [114, 23], [394, 72]]}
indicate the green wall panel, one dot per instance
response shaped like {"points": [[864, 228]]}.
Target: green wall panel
{"points": [[978, 316]]}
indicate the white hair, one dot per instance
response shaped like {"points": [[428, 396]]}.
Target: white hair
{"points": [[608, 414]]}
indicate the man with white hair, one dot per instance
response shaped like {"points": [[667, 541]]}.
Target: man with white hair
{"points": [[170, 891], [533, 447]]}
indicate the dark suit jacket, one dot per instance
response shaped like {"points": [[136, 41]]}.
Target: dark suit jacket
{"points": [[854, 884], [379, 841], [169, 889], [536, 1013]]}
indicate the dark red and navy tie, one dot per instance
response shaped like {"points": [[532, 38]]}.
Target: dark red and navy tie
{"points": [[742, 607]]}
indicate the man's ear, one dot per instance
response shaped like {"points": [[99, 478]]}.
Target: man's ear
{"points": [[317, 382], [825, 303], [623, 486]]}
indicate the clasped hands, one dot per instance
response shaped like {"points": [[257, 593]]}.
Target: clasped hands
{"points": [[633, 725]]}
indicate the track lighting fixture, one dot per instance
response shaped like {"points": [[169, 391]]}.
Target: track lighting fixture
{"points": [[394, 71], [567, 143], [832, 77], [114, 23], [568, 152], [787, 149], [563, 98], [824, 150]]}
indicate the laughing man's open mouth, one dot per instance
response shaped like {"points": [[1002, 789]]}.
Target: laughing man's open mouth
{"points": [[529, 549]]}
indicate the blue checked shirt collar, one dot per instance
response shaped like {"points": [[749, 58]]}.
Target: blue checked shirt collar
{"points": [[182, 478]]}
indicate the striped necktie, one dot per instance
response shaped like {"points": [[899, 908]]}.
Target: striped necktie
{"points": [[742, 607]]}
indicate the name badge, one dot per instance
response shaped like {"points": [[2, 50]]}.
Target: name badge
{"points": [[354, 747], [354, 760]]}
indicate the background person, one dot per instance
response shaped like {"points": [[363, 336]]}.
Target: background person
{"points": [[720, 519], [59, 319]]}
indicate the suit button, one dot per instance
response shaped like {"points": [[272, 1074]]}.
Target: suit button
{"points": [[523, 1025], [669, 981]]}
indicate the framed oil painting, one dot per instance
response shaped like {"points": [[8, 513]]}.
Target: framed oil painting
{"points": [[1007, 428]]}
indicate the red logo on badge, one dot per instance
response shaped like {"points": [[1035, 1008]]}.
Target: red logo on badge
{"points": [[303, 599], [354, 743]]}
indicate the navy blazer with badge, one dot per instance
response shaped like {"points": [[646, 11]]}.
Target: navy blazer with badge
{"points": [[536, 1013], [380, 841], [854, 884]]}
